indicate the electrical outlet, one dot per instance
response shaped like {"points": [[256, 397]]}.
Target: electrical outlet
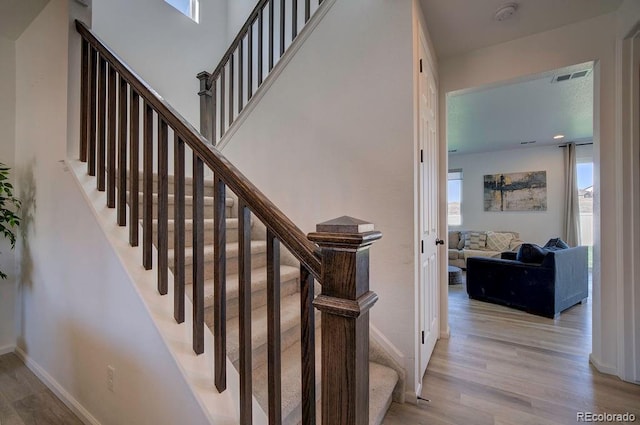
{"points": [[111, 373]]}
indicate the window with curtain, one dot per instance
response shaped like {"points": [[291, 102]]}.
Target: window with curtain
{"points": [[190, 8], [454, 205], [584, 170]]}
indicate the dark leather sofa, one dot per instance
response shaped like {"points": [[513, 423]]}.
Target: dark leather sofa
{"points": [[556, 281]]}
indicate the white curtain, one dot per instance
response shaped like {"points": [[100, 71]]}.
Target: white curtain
{"points": [[572, 208]]}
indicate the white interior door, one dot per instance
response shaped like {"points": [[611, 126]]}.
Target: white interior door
{"points": [[428, 186]]}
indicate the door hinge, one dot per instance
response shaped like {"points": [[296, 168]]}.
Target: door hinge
{"points": [[423, 337], [422, 247], [420, 65], [421, 155]]}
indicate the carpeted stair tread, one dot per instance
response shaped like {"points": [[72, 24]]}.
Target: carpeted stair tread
{"points": [[257, 247], [291, 381], [382, 381], [188, 200], [258, 282], [289, 326]]}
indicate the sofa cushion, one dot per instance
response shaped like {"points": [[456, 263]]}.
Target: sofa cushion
{"points": [[498, 241], [531, 253], [454, 239], [454, 254], [555, 244], [475, 240]]}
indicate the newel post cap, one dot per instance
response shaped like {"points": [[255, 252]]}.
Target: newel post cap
{"points": [[345, 232], [205, 88]]}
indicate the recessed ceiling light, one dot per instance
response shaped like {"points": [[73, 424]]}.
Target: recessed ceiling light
{"points": [[558, 136], [505, 12]]}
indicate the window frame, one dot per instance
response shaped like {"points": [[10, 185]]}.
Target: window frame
{"points": [[192, 12]]}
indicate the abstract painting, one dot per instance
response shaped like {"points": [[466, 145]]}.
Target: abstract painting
{"points": [[516, 191]]}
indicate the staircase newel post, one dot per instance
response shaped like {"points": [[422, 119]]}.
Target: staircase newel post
{"points": [[206, 107], [344, 303]]}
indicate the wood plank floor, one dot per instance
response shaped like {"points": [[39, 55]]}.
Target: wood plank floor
{"points": [[24, 400], [506, 367]]}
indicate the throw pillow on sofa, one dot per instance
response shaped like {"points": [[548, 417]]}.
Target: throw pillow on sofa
{"points": [[454, 239], [497, 241], [530, 253], [555, 244], [475, 240]]}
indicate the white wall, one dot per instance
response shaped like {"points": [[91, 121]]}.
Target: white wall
{"points": [[334, 136], [7, 156], [78, 309], [237, 13], [163, 46], [535, 227], [593, 39]]}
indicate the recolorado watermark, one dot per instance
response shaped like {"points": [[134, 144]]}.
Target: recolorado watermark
{"points": [[605, 417]]}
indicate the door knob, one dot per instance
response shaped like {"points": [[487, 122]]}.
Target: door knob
{"points": [[439, 242]]}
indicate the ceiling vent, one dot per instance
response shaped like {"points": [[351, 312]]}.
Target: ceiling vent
{"points": [[571, 76]]}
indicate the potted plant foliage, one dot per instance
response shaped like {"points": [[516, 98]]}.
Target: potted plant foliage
{"points": [[9, 207]]}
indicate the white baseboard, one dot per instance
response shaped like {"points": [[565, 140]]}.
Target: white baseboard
{"points": [[6, 349], [446, 334], [608, 369], [57, 389]]}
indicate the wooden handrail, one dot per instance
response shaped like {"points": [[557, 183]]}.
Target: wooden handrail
{"points": [[234, 44], [281, 226]]}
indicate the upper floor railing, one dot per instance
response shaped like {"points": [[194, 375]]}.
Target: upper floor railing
{"points": [[272, 27], [121, 115]]}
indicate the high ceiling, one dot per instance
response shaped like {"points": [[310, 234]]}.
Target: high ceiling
{"points": [[458, 26], [503, 117], [16, 15]]}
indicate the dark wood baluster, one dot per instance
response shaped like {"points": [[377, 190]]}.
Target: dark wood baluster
{"points": [[222, 100], [308, 351], [240, 75], [93, 90], [271, 28], [178, 229], [282, 26], [84, 100], [250, 63], [147, 188], [122, 152], [231, 80], [134, 167], [102, 128], [111, 146], [274, 355], [294, 19], [220, 283], [260, 44], [198, 254], [244, 294], [163, 205], [307, 10]]}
